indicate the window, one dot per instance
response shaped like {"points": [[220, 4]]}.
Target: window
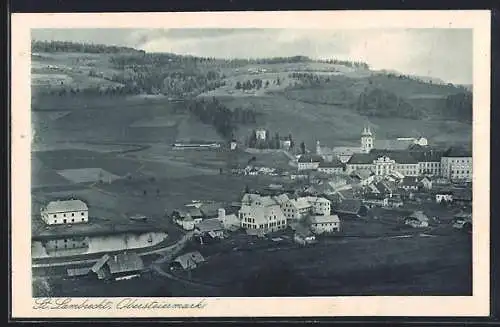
{"points": [[73, 220], [83, 219], [55, 221], [64, 215], [65, 240], [83, 214], [55, 216], [64, 221], [73, 214]]}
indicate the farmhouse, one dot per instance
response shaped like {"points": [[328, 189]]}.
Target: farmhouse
{"points": [[188, 261], [65, 212], [325, 224], [350, 208], [118, 266], [212, 227]]}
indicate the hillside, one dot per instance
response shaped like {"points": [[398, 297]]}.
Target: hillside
{"points": [[328, 101]]}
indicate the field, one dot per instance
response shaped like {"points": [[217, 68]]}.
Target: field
{"points": [[367, 266]]}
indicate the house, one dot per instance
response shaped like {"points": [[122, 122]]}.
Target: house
{"points": [[65, 212], [410, 183], [375, 200], [325, 224], [429, 160], [188, 261], [211, 227], [118, 266], [331, 167], [303, 235], [319, 205], [417, 219], [309, 162], [192, 212], [297, 208], [260, 215], [444, 196], [350, 208], [426, 182], [395, 201]]}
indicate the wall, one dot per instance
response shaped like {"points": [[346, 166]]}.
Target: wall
{"points": [[71, 217]]}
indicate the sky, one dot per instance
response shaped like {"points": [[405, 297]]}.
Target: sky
{"points": [[440, 53]]}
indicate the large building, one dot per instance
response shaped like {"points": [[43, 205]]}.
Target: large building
{"points": [[456, 164], [261, 214], [65, 212]]}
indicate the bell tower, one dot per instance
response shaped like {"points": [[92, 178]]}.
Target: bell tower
{"points": [[366, 140]]}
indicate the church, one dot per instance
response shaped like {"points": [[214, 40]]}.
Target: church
{"points": [[408, 156]]}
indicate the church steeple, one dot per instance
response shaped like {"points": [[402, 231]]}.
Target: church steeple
{"points": [[366, 140]]}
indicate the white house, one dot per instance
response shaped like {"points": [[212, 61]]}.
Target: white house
{"points": [[320, 206], [65, 212], [261, 215], [325, 224]]}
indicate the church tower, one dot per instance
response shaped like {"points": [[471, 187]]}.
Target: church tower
{"points": [[366, 140], [318, 148]]}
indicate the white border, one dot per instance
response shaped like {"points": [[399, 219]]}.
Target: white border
{"points": [[479, 21]]}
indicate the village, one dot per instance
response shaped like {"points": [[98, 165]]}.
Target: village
{"points": [[382, 190]]}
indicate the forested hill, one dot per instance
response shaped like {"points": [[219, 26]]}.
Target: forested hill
{"points": [[63, 46]]}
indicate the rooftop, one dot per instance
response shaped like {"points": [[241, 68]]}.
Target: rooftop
{"points": [[310, 158], [66, 205], [325, 219]]}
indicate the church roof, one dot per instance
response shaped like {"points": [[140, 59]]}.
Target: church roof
{"points": [[392, 144], [401, 157]]}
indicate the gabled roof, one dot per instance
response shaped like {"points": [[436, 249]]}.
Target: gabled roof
{"points": [[335, 163], [427, 156], [349, 206], [66, 206], [400, 156], [325, 219], [190, 260], [125, 262], [361, 158], [208, 225], [346, 193], [310, 158], [392, 144]]}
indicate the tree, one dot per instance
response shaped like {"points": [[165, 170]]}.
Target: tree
{"points": [[302, 147]]}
